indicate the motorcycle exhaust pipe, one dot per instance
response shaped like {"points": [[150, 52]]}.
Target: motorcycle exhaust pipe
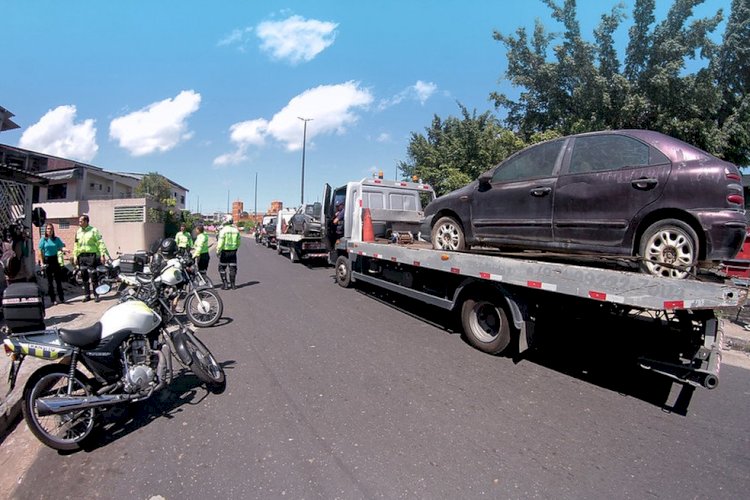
{"points": [[54, 405]]}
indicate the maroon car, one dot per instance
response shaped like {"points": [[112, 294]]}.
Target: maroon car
{"points": [[619, 192]]}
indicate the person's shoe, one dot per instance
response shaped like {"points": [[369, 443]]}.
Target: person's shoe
{"points": [[86, 299], [97, 298], [224, 286], [233, 287]]}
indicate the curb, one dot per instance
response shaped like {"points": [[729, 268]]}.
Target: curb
{"points": [[73, 314]]}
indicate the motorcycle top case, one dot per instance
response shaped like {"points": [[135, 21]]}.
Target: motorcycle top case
{"points": [[132, 263], [23, 307]]}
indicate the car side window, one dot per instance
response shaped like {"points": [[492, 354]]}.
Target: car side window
{"points": [[598, 153], [537, 161]]}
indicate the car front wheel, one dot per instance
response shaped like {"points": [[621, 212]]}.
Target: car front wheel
{"points": [[447, 234], [669, 248]]}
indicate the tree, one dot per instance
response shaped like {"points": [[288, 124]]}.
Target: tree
{"points": [[156, 186], [455, 151], [583, 88]]}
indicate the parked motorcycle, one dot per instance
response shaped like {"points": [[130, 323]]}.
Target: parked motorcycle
{"points": [[176, 281], [128, 351]]}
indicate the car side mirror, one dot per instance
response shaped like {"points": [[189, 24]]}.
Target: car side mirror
{"points": [[485, 178]]}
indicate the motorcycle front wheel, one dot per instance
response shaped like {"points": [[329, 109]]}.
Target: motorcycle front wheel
{"points": [[204, 365], [65, 431], [205, 309]]}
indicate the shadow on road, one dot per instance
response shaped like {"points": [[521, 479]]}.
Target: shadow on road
{"points": [[121, 420], [602, 349]]}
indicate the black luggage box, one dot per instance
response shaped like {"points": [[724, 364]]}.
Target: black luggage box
{"points": [[23, 307], [132, 263]]}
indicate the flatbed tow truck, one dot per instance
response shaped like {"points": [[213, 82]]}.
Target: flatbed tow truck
{"points": [[299, 247], [499, 298]]}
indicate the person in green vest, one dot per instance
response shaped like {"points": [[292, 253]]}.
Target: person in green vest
{"points": [[227, 244], [88, 251], [200, 249], [183, 239]]}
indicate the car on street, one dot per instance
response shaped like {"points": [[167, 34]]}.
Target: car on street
{"points": [[306, 220], [618, 192]]}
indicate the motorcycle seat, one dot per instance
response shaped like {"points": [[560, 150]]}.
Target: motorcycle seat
{"points": [[85, 338]]}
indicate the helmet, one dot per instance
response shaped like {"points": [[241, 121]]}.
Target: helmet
{"points": [[168, 247], [228, 219]]}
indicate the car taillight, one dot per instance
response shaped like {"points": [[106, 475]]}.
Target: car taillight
{"points": [[732, 176], [736, 198]]}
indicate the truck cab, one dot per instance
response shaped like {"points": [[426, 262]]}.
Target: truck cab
{"points": [[396, 209]]}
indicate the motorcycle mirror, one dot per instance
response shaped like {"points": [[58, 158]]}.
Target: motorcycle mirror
{"points": [[102, 269], [38, 216], [103, 289]]}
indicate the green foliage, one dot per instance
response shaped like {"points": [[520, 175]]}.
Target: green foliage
{"points": [[156, 186], [455, 151], [578, 86]]}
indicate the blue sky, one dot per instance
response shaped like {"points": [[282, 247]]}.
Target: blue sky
{"points": [[209, 93]]}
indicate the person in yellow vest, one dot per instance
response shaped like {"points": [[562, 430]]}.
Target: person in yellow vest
{"points": [[183, 239], [227, 244], [200, 249], [88, 251]]}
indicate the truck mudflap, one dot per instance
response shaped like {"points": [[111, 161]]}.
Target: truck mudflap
{"points": [[702, 368]]}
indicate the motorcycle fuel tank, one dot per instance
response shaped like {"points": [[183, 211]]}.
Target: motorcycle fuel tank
{"points": [[132, 315]]}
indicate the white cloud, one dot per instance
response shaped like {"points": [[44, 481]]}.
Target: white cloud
{"points": [[57, 134], [420, 91], [296, 39], [158, 127], [331, 107], [239, 38], [383, 137]]}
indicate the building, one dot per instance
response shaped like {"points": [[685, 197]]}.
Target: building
{"points": [[74, 188]]}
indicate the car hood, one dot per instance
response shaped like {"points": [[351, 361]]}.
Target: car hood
{"points": [[450, 198]]}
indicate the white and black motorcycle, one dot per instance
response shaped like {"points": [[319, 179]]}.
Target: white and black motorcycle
{"points": [[128, 352]]}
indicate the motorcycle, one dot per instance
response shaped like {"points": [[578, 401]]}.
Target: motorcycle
{"points": [[129, 353], [175, 281]]}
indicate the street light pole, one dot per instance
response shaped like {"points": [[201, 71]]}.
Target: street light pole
{"points": [[255, 208], [304, 140]]}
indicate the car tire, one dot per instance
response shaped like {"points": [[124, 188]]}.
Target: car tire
{"points": [[671, 242], [447, 234]]}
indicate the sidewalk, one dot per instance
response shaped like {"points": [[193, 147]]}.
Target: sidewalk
{"points": [[72, 314]]}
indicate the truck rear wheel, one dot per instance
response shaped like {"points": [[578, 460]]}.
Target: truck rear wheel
{"points": [[293, 255], [486, 325], [278, 248], [343, 272]]}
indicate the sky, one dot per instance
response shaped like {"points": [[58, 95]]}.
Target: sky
{"points": [[211, 94]]}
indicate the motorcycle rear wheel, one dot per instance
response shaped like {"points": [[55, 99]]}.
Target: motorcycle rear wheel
{"points": [[204, 365], [204, 310], [65, 431]]}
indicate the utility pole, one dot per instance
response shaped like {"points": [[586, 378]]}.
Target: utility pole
{"points": [[255, 208], [304, 140], [227, 201]]}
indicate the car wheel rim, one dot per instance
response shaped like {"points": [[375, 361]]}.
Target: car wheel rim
{"points": [[447, 237], [672, 247]]}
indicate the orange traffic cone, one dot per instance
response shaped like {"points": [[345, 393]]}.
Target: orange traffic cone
{"points": [[368, 234]]}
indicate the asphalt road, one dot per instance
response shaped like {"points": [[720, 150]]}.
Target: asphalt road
{"points": [[336, 393]]}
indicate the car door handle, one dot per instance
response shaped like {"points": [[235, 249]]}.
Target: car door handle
{"points": [[540, 191], [644, 183]]}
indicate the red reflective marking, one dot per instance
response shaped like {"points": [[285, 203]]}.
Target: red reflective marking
{"points": [[416, 263], [455, 270], [378, 181], [403, 184], [485, 275], [360, 203], [597, 295], [674, 304], [394, 259], [360, 252], [534, 284], [376, 255]]}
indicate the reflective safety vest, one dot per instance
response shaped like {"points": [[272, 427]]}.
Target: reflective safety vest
{"points": [[183, 239], [89, 240], [229, 238], [201, 245]]}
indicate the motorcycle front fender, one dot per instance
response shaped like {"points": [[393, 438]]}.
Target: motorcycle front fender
{"points": [[179, 339]]}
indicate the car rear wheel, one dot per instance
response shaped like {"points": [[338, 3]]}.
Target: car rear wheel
{"points": [[669, 248], [447, 234]]}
